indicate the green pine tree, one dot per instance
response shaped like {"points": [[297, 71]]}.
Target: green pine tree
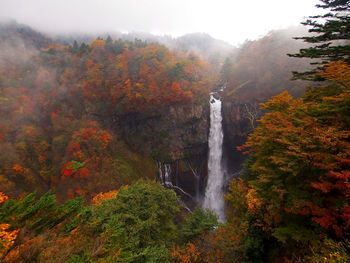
{"points": [[330, 37]]}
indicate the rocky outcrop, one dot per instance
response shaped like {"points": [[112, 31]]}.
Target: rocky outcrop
{"points": [[239, 119], [187, 177], [176, 138], [178, 132]]}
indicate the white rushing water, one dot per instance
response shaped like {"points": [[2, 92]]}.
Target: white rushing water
{"points": [[167, 176], [214, 196], [166, 179]]}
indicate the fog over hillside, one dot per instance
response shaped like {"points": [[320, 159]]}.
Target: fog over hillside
{"points": [[231, 21], [161, 131]]}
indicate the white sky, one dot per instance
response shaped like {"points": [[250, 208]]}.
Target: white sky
{"points": [[231, 20]]}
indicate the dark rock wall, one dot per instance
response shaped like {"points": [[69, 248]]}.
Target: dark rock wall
{"points": [[239, 118], [178, 136], [177, 133]]}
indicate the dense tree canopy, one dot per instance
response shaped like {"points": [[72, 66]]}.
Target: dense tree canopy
{"points": [[133, 224], [54, 99], [299, 166], [69, 185]]}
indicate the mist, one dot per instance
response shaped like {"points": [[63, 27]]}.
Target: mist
{"points": [[231, 21]]}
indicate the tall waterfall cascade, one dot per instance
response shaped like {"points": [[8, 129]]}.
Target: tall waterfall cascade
{"points": [[214, 195]]}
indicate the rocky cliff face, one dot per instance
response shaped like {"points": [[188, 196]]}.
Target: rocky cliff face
{"points": [[177, 133], [179, 137], [239, 118], [176, 138]]}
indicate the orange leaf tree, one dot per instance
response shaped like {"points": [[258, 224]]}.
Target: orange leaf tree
{"points": [[299, 167], [7, 236]]}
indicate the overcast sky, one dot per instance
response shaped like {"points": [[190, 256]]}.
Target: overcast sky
{"points": [[231, 20]]}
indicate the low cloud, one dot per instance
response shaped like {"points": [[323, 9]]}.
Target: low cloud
{"points": [[233, 21]]}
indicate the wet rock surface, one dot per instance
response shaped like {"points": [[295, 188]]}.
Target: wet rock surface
{"points": [[177, 133], [239, 118]]}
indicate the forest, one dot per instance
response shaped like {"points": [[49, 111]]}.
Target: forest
{"points": [[89, 130]]}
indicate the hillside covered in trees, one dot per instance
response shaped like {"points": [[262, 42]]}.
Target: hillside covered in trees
{"points": [[58, 102], [90, 132]]}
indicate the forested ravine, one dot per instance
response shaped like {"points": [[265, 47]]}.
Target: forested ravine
{"points": [[114, 150]]}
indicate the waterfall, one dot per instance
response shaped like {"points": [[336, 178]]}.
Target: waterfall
{"points": [[167, 176], [214, 196], [166, 179], [197, 178], [160, 173]]}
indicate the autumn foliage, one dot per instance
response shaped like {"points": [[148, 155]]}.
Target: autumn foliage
{"points": [[188, 254], [104, 196], [299, 165], [262, 69], [59, 105], [73, 181], [7, 236]]}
